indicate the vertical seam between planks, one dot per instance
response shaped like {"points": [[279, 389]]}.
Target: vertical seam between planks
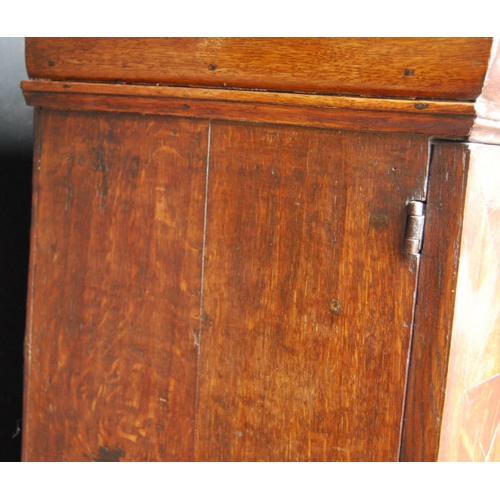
{"points": [[197, 340]]}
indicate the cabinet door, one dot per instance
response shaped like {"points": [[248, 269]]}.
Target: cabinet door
{"points": [[115, 279], [260, 312], [307, 297]]}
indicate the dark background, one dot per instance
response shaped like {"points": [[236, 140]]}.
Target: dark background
{"points": [[16, 145]]}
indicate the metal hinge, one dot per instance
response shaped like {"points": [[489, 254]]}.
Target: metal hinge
{"points": [[415, 222]]}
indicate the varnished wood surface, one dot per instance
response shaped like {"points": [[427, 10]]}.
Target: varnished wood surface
{"points": [[303, 237], [435, 303], [437, 118], [307, 299], [419, 107], [115, 288], [471, 419], [304, 302], [37, 146], [487, 124], [443, 68]]}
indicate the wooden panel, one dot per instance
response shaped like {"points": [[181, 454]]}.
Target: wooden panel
{"points": [[307, 301], [333, 102], [439, 118], [471, 420], [451, 68], [435, 304], [115, 288], [37, 146]]}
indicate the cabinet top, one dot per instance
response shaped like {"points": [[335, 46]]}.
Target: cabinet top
{"points": [[443, 87], [436, 68]]}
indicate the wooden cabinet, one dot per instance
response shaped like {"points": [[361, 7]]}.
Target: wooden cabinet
{"points": [[218, 272]]}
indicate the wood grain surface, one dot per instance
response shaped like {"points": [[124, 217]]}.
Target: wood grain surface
{"points": [[307, 299], [115, 284], [28, 338], [303, 241], [444, 68], [437, 118], [419, 107], [435, 302], [216, 272], [471, 417]]}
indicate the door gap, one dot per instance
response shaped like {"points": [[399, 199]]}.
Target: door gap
{"points": [[416, 267]]}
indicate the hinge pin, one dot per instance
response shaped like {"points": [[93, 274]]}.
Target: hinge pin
{"points": [[414, 227]]}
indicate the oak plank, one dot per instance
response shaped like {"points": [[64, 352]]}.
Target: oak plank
{"points": [[444, 68], [116, 267], [304, 348], [419, 107], [444, 119]]}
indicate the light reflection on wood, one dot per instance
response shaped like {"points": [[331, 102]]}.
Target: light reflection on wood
{"points": [[471, 419]]}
